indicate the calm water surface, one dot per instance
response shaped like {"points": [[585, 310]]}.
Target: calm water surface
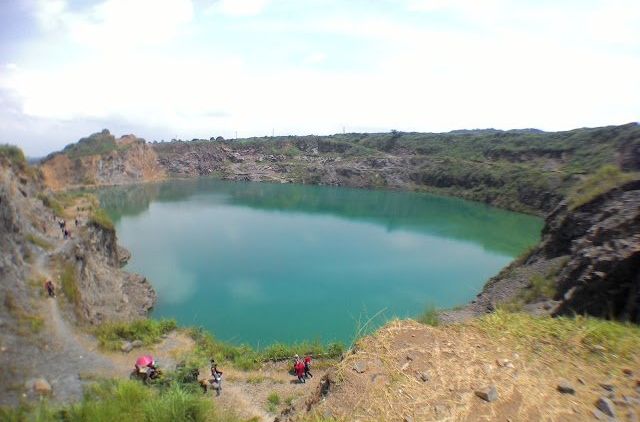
{"points": [[258, 263]]}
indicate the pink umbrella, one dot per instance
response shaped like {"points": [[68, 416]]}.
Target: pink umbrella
{"points": [[144, 360]]}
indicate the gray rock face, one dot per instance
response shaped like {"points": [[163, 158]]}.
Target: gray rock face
{"points": [[488, 393]]}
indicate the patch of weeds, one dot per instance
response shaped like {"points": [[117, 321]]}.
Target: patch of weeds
{"points": [[110, 335], [289, 400], [606, 178], [273, 401], [38, 241], [429, 316]]}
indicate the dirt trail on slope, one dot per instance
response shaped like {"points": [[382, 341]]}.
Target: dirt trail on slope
{"points": [[71, 358]]}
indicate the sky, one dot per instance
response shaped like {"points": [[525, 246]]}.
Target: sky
{"points": [[164, 69]]}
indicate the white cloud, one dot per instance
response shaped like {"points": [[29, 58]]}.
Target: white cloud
{"points": [[118, 24], [241, 7], [315, 58]]}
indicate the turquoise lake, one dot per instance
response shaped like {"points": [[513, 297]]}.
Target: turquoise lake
{"points": [[259, 263]]}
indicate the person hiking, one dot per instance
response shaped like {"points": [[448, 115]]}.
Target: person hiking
{"points": [[307, 367], [216, 382], [299, 368], [50, 288]]}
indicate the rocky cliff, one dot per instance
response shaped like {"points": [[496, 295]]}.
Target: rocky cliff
{"points": [[588, 262], [522, 170], [100, 159], [89, 260]]}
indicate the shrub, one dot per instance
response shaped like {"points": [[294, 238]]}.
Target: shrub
{"points": [[14, 155]]}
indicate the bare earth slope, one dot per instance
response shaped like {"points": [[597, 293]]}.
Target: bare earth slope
{"points": [[411, 372]]}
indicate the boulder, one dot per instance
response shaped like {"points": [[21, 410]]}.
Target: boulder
{"points": [[126, 347], [136, 343], [42, 386], [360, 366], [606, 406], [424, 376], [488, 393], [565, 388]]}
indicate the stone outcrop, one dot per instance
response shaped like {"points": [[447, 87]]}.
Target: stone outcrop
{"points": [[125, 160]]}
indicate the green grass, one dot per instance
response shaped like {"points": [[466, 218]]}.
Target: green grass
{"points": [[579, 335], [69, 284], [109, 401], [429, 316], [110, 335], [247, 358], [100, 218], [273, 401], [603, 180], [38, 241]]}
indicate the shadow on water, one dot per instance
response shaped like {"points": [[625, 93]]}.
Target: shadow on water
{"points": [[448, 217]]}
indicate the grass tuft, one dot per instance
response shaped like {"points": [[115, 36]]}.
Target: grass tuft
{"points": [[273, 401], [429, 316]]}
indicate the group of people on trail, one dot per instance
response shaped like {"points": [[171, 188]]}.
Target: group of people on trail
{"points": [[302, 368], [66, 234]]}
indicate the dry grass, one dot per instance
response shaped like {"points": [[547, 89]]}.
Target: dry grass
{"points": [[462, 358]]}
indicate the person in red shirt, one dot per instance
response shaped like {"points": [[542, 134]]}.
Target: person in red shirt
{"points": [[307, 367], [299, 368]]}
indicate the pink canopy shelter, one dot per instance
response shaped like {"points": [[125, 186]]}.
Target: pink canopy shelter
{"points": [[144, 360]]}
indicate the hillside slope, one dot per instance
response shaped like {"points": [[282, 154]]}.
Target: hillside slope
{"points": [[85, 269], [407, 371]]}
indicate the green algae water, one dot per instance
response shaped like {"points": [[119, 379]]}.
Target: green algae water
{"points": [[260, 263]]}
